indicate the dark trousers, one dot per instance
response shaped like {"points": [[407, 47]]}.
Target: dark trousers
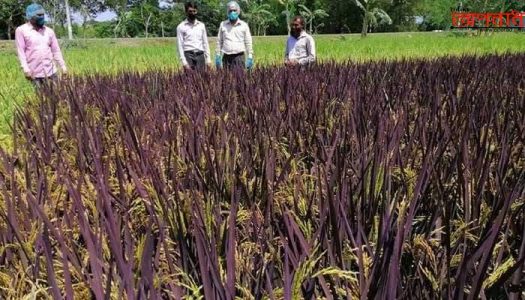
{"points": [[233, 60], [195, 59], [39, 82]]}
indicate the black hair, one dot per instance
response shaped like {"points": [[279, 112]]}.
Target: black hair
{"points": [[300, 18], [190, 4]]}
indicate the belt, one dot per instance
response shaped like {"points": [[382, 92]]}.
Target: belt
{"points": [[235, 54], [196, 52]]}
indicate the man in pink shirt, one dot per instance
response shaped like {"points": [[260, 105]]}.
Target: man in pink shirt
{"points": [[37, 47]]}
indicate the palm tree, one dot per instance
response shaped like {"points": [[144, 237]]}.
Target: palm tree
{"points": [[372, 14], [260, 16], [310, 15], [289, 11]]}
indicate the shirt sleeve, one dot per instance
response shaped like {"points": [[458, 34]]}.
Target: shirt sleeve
{"points": [[20, 49], [286, 51], [219, 41], [206, 45], [248, 41], [180, 46], [310, 48], [57, 53]]}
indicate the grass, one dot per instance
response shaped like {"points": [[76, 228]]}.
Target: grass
{"points": [[113, 56]]}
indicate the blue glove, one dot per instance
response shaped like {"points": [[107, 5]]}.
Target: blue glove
{"points": [[218, 61], [249, 63]]}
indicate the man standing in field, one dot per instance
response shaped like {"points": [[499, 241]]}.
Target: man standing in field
{"points": [[37, 47], [234, 40], [300, 47], [192, 40]]}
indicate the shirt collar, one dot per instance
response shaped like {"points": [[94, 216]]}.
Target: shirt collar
{"points": [[196, 22], [238, 23], [32, 27], [302, 35]]}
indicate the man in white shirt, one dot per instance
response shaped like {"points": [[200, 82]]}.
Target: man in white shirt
{"points": [[234, 40], [192, 40], [300, 47]]}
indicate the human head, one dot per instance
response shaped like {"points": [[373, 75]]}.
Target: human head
{"points": [[297, 26], [35, 14], [191, 10], [233, 10]]}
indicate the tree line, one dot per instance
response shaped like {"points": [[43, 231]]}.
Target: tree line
{"points": [[154, 18]]}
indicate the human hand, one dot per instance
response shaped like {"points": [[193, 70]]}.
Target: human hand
{"points": [[28, 75], [249, 63], [218, 62], [290, 63]]}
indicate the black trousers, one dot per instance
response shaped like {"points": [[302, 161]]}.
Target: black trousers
{"points": [[233, 60], [195, 59], [39, 82]]}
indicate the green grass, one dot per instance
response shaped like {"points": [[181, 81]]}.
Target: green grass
{"points": [[112, 56]]}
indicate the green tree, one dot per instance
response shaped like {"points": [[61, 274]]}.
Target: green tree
{"points": [[88, 9], [345, 16], [103, 29], [311, 15], [60, 13], [260, 16], [290, 8], [373, 15], [120, 8], [169, 18], [402, 13], [436, 14], [12, 13], [148, 14]]}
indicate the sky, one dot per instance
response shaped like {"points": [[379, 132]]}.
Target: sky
{"points": [[109, 15], [103, 16]]}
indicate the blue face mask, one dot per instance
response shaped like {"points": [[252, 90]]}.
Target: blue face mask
{"points": [[40, 21], [233, 16]]}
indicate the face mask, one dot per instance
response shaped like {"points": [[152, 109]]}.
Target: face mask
{"points": [[39, 21], [192, 17], [233, 16]]}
